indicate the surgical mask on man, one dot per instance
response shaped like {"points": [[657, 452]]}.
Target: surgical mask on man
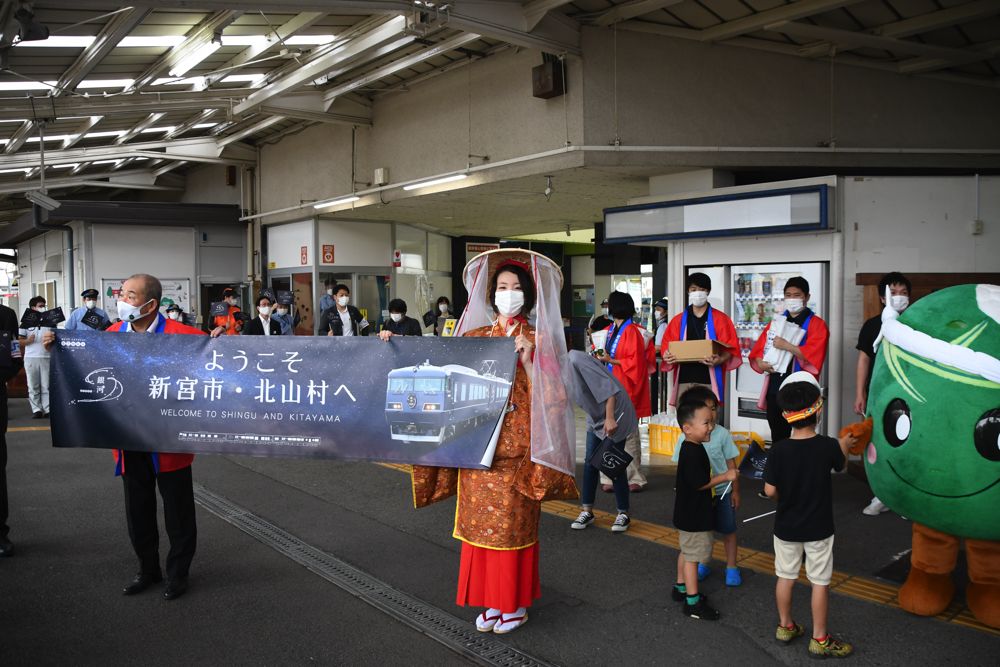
{"points": [[342, 301], [604, 311], [282, 311], [698, 298], [899, 302], [90, 304], [509, 302], [264, 310], [396, 317], [443, 308], [794, 306], [129, 313], [174, 315], [330, 291], [659, 315], [231, 301], [40, 308]]}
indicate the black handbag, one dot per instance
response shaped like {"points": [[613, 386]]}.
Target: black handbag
{"points": [[610, 458]]}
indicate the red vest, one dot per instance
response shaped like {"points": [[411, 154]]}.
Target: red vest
{"points": [[162, 461]]}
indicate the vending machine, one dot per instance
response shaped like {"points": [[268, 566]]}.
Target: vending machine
{"points": [[751, 294]]}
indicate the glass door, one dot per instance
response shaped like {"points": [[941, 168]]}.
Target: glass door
{"points": [[371, 297]]}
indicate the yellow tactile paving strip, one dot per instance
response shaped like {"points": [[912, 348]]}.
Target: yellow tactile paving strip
{"points": [[16, 429], [862, 588]]}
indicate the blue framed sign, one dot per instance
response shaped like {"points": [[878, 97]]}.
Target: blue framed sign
{"points": [[781, 211]]}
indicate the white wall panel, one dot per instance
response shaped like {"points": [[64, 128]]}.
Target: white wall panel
{"points": [[357, 243], [284, 244], [123, 250]]}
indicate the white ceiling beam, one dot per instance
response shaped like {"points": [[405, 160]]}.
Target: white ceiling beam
{"points": [[630, 10], [284, 31], [329, 59], [450, 44], [862, 40], [929, 64], [784, 49], [178, 149], [81, 131], [65, 107], [170, 166], [196, 38], [222, 142], [536, 10], [137, 129], [20, 136], [117, 27], [554, 32], [314, 116], [187, 125], [69, 182], [755, 22]]}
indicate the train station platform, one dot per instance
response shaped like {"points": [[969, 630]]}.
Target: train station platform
{"points": [[326, 562]]}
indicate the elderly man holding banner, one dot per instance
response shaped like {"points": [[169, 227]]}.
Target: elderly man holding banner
{"points": [[143, 472]]}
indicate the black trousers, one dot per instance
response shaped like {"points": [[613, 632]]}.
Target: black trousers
{"points": [[140, 481], [780, 429], [4, 528]]}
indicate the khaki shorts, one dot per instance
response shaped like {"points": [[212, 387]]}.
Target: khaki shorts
{"points": [[819, 560], [696, 547]]}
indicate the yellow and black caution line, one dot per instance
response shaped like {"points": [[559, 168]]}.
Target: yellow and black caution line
{"points": [[861, 588]]}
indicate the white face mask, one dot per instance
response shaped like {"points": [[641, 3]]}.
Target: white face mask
{"points": [[899, 302], [443, 308], [343, 301], [282, 311], [90, 304], [129, 313], [396, 316], [659, 315], [698, 298], [174, 315], [509, 302], [604, 311], [794, 306], [330, 291], [264, 310], [40, 309], [231, 301]]}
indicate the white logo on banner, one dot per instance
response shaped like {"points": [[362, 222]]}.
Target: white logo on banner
{"points": [[103, 386]]}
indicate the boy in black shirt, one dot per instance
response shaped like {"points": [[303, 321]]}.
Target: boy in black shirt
{"points": [[797, 474], [693, 513]]}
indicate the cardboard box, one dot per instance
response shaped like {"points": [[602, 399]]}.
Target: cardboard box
{"points": [[695, 350]]}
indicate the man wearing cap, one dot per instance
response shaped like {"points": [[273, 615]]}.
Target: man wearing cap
{"points": [[143, 472], [176, 313], [601, 321], [75, 321], [228, 324], [263, 324]]}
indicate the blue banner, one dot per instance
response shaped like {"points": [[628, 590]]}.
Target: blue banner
{"points": [[424, 400]]}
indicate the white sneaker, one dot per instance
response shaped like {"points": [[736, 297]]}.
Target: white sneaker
{"points": [[487, 620], [582, 521], [621, 523], [511, 622], [875, 507]]}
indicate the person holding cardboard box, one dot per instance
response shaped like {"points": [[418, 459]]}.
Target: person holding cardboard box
{"points": [[700, 344]]}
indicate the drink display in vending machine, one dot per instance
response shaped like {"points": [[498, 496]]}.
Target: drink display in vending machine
{"points": [[757, 296]]}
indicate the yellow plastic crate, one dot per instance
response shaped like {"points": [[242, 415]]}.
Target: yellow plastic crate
{"points": [[663, 439], [743, 439]]}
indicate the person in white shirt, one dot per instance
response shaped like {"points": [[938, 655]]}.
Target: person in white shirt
{"points": [[343, 319], [36, 362], [263, 324]]}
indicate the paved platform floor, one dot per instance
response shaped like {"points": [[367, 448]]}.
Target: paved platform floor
{"points": [[605, 596]]}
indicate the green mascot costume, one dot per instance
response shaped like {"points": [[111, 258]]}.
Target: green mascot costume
{"points": [[935, 450]]}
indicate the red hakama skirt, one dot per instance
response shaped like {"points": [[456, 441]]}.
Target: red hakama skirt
{"points": [[498, 579]]}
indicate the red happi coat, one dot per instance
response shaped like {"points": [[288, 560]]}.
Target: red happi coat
{"points": [[813, 349], [162, 461], [633, 372], [725, 333]]}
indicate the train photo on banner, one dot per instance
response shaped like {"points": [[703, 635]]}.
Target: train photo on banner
{"points": [[426, 403]]}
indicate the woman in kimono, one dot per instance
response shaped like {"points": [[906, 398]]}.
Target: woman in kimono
{"points": [[499, 509]]}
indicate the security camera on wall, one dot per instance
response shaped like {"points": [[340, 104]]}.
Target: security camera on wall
{"points": [[39, 198]]}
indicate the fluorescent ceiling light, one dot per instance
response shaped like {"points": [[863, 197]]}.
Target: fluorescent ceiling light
{"points": [[14, 171], [244, 40], [68, 165], [60, 42], [202, 126], [196, 56], [104, 83], [52, 137], [162, 128], [23, 85], [436, 181], [239, 78], [296, 40], [105, 161], [336, 202], [153, 40]]}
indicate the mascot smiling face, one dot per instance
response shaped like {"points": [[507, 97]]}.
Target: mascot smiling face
{"points": [[935, 407], [934, 455]]}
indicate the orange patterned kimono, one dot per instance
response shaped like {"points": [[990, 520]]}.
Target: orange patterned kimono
{"points": [[498, 509]]}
